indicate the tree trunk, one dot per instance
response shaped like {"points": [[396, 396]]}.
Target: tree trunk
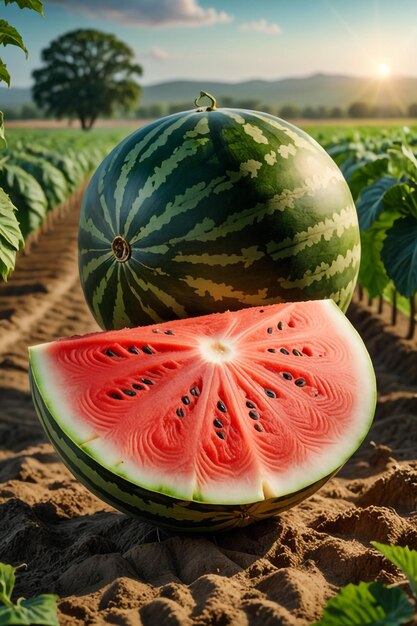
{"points": [[412, 320], [90, 123], [360, 293]]}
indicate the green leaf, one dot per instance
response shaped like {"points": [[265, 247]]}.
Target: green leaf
{"points": [[403, 162], [367, 174], [404, 558], [10, 36], [52, 181], [66, 163], [372, 272], [35, 5], [402, 198], [4, 74], [7, 579], [371, 201], [367, 604], [399, 254], [26, 194], [341, 151], [11, 240], [2, 137], [39, 610]]}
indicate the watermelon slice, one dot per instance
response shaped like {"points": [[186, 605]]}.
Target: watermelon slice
{"points": [[208, 422]]}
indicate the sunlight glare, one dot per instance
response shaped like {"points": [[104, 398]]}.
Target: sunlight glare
{"points": [[384, 70]]}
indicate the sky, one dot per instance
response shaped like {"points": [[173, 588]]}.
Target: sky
{"points": [[232, 40]]}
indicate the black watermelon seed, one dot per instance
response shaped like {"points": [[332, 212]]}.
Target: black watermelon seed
{"points": [[185, 400], [269, 330], [147, 350], [220, 434], [284, 351], [270, 393], [194, 391], [147, 381], [129, 392], [137, 386], [156, 330], [218, 423], [133, 350], [221, 406], [271, 350], [110, 353], [116, 396], [169, 332], [261, 311], [258, 427], [300, 382], [254, 415], [286, 375], [280, 325], [250, 405], [297, 352], [180, 413]]}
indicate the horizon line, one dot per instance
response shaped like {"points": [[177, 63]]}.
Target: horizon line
{"points": [[258, 79]]}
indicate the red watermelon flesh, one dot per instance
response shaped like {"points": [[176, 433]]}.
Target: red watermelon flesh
{"points": [[229, 408]]}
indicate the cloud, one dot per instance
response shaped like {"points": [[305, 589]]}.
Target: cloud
{"points": [[161, 55], [261, 26], [154, 13]]}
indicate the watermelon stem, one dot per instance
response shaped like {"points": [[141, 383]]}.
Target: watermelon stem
{"points": [[121, 249], [212, 106]]}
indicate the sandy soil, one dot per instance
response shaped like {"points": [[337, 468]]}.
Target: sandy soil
{"points": [[109, 569]]}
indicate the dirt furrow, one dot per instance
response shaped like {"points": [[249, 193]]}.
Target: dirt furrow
{"points": [[41, 301]]}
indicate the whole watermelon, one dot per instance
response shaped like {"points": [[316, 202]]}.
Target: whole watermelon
{"points": [[215, 209]]}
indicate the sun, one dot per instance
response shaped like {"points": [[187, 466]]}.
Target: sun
{"points": [[384, 70]]}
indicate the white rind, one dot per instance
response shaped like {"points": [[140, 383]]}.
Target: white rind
{"points": [[44, 370]]}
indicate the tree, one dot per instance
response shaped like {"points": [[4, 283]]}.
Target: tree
{"points": [[336, 113], [412, 110], [359, 109], [86, 74], [290, 111], [151, 111], [310, 113]]}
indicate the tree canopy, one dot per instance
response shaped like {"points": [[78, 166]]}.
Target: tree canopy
{"points": [[86, 74]]}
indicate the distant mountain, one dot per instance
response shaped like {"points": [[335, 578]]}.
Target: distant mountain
{"points": [[319, 89], [316, 90]]}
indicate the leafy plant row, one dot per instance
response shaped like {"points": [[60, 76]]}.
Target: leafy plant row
{"points": [[382, 175], [372, 603], [38, 172]]}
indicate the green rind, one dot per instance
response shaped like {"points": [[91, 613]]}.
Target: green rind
{"points": [[223, 210], [156, 508]]}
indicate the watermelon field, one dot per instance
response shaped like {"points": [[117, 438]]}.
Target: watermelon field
{"points": [[110, 568]]}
